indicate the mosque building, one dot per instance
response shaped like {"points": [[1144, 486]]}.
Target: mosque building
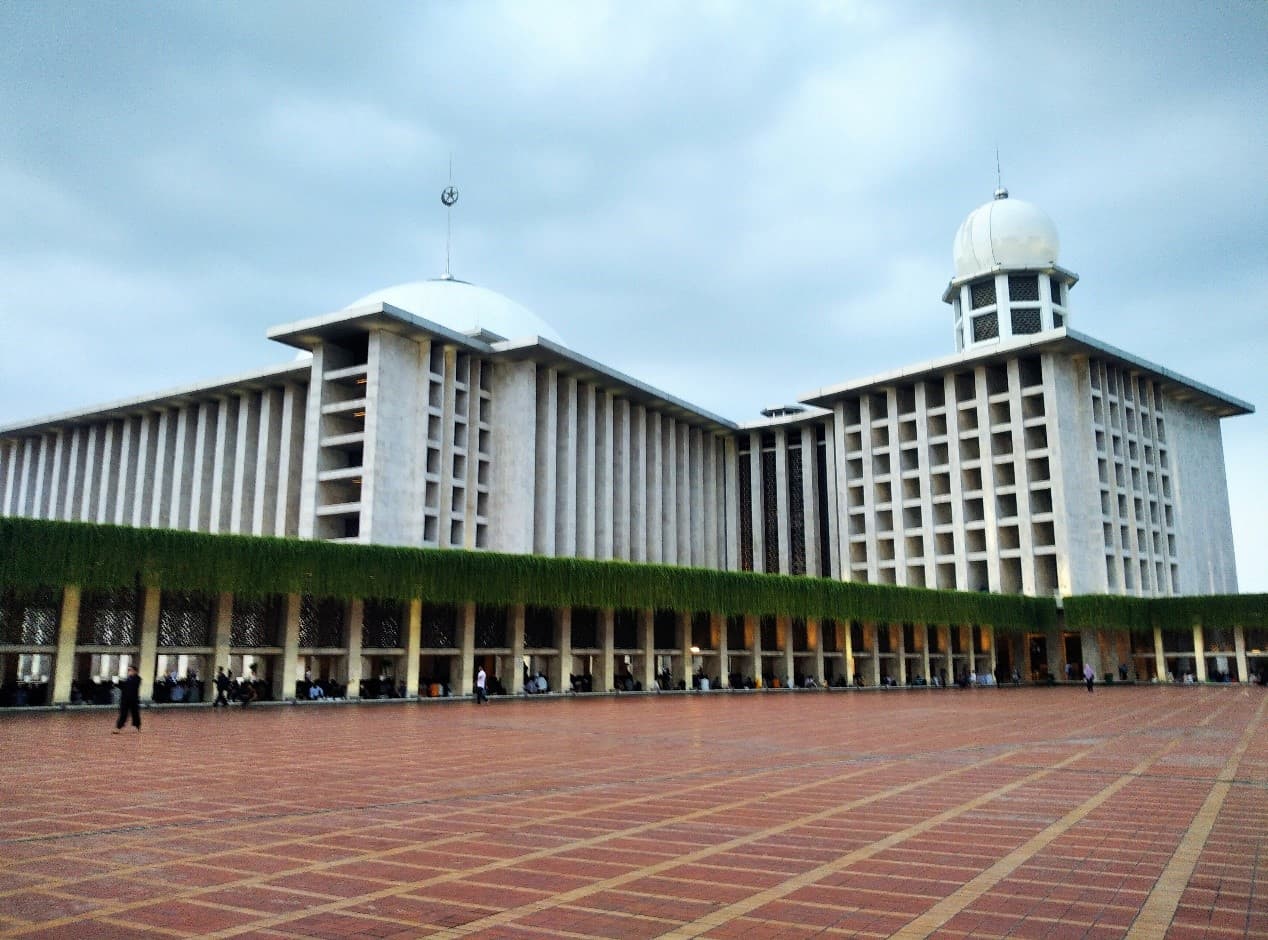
{"points": [[1034, 459]]}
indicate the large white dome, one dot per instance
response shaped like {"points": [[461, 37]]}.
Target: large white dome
{"points": [[1005, 233], [463, 307]]}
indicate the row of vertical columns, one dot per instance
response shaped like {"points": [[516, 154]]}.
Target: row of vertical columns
{"points": [[615, 479], [220, 465]]}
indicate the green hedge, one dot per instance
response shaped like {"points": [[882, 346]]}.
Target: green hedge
{"points": [[1167, 613], [38, 552]]}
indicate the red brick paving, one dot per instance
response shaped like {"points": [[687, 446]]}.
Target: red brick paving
{"points": [[997, 812]]}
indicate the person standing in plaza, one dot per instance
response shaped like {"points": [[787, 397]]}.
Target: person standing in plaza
{"points": [[481, 678], [129, 701], [1088, 675]]}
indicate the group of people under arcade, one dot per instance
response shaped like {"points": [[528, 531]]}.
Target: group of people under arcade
{"points": [[251, 687], [26, 692], [241, 689]]}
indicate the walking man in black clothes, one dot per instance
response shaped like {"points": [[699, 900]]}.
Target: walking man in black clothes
{"points": [[129, 701], [223, 683]]}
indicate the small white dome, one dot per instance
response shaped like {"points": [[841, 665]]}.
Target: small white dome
{"points": [[463, 307], [1005, 233]]}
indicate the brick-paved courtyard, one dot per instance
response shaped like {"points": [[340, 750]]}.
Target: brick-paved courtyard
{"points": [[984, 813]]}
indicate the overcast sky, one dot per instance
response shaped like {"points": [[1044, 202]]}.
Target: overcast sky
{"points": [[737, 203]]}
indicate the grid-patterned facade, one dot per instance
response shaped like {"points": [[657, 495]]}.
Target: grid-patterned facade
{"points": [[946, 481], [1133, 469]]}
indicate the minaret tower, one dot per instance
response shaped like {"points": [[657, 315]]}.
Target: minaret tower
{"points": [[1007, 281]]}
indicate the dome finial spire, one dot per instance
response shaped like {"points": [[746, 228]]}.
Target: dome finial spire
{"points": [[448, 196], [1000, 191]]}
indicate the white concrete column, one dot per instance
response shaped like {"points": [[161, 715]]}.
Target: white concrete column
{"points": [[1160, 657], [566, 470], [147, 655], [164, 443], [90, 474], [175, 512], [1239, 651], [655, 488], [697, 499], [284, 686], [267, 458], [1091, 651], [111, 467], [74, 469], [1199, 653], [9, 477], [222, 631], [871, 632], [607, 642], [647, 644], [924, 652], [711, 538], [223, 463], [516, 617], [413, 643], [544, 516], [784, 630], [26, 483], [847, 644], [394, 452], [586, 513], [638, 463], [682, 495], [465, 682], [605, 498], [128, 479], [753, 637], [245, 463], [41, 478], [57, 474], [199, 517], [290, 464], [669, 490], [354, 624], [561, 664], [898, 642], [67, 639], [622, 483]]}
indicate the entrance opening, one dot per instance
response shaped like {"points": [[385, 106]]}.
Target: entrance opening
{"points": [[1073, 655], [1037, 647]]}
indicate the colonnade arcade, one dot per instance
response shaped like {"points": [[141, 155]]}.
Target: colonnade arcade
{"points": [[73, 641]]}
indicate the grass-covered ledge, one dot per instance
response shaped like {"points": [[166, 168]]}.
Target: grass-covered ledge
{"points": [[39, 552], [1111, 612]]}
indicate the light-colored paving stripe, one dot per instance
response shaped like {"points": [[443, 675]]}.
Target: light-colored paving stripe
{"points": [[953, 904], [1160, 907]]}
